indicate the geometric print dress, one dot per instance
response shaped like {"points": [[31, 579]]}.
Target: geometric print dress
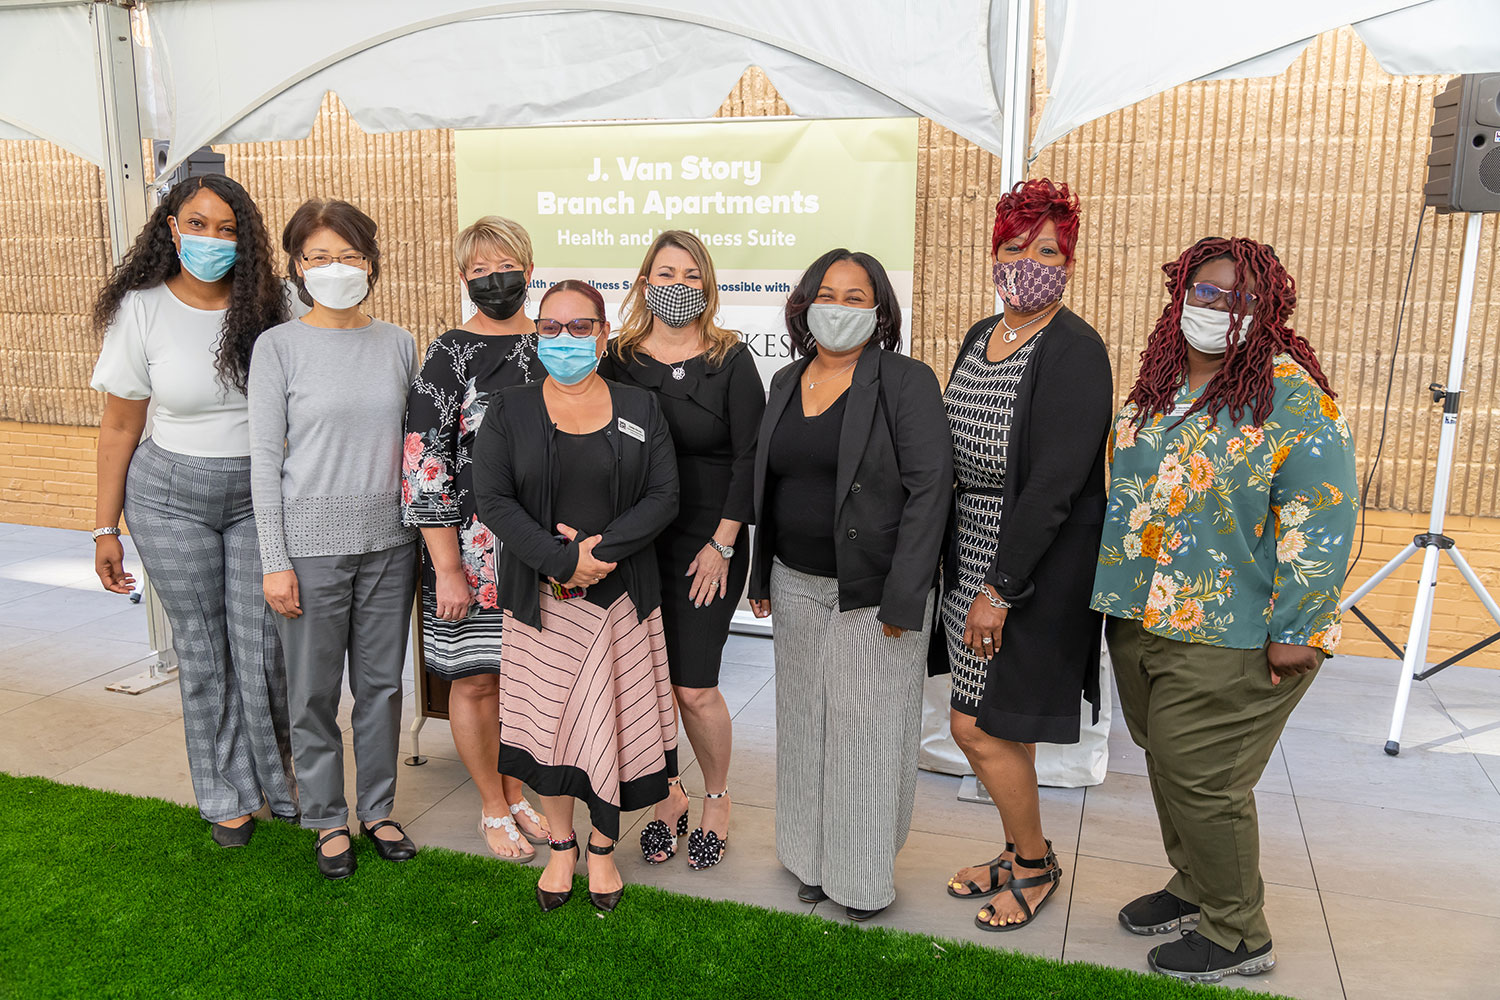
{"points": [[980, 400]]}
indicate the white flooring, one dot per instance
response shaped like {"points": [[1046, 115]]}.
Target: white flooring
{"points": [[1383, 873]]}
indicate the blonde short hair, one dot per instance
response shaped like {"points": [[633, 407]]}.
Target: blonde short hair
{"points": [[493, 234]]}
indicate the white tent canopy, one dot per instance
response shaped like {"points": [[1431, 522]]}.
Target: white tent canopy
{"points": [[49, 86]]}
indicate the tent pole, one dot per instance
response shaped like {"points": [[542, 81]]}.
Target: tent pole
{"points": [[1016, 100], [124, 169]]}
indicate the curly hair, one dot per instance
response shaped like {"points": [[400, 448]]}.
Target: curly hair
{"points": [[256, 299], [1026, 207], [887, 307], [1246, 380]]}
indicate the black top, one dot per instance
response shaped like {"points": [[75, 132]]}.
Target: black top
{"points": [[584, 462], [892, 491], [516, 478], [802, 468]]}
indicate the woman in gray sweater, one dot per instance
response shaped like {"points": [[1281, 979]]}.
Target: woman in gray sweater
{"points": [[327, 401]]}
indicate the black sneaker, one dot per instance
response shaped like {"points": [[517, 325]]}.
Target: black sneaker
{"points": [[1157, 913], [1193, 958]]}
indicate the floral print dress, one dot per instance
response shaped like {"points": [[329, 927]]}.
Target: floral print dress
{"points": [[1231, 535], [444, 411]]}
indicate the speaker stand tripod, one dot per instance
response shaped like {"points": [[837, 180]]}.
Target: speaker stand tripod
{"points": [[1433, 542]]}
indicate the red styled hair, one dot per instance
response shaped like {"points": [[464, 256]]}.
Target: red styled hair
{"points": [[1027, 206], [583, 288], [1246, 380]]}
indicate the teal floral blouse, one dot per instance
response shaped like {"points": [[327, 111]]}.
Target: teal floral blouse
{"points": [[1231, 535]]}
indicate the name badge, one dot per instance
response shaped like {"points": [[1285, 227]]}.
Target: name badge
{"points": [[626, 427]]}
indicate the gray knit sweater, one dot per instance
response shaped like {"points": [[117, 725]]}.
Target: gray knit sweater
{"points": [[326, 414]]}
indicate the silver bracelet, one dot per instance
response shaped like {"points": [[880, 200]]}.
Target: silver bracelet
{"points": [[97, 532], [995, 601]]}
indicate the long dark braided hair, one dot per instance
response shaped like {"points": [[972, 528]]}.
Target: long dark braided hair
{"points": [[256, 299], [1246, 378]]}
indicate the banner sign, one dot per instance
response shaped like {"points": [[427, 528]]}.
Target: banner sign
{"points": [[767, 197]]}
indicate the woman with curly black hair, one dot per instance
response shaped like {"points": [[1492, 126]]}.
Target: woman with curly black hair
{"points": [[179, 317]]}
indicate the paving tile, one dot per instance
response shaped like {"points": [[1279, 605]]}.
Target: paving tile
{"points": [[938, 810], [760, 710], [68, 568], [18, 547], [15, 699], [1305, 967], [1340, 838], [1413, 951], [62, 608], [1120, 824], [752, 768], [153, 764], [164, 701], [51, 538], [49, 736], [51, 664], [740, 682], [749, 649], [1355, 708], [1375, 670], [12, 636], [1441, 781]]}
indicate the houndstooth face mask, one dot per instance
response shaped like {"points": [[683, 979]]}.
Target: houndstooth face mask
{"points": [[675, 305]]}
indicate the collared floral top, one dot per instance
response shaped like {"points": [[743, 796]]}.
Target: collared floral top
{"points": [[1229, 535]]}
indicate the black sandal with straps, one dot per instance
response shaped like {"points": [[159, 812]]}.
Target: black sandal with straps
{"points": [[706, 848], [657, 837], [994, 865], [550, 901], [605, 901], [1051, 878]]}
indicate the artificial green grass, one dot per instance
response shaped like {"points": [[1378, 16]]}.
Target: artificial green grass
{"points": [[107, 895]]}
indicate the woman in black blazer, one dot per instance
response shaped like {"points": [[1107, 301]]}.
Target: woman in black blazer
{"points": [[1029, 402], [853, 478]]}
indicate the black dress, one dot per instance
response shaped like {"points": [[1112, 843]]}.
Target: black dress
{"points": [[714, 414]]}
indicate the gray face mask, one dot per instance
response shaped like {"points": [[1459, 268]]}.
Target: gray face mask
{"points": [[839, 328]]}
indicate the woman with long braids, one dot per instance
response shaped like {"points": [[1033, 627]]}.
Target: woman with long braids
{"points": [[1231, 504], [179, 317]]}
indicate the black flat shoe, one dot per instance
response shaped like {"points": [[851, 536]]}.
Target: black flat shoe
{"points": [[233, 836], [390, 850], [339, 865], [550, 901], [855, 913], [606, 901], [811, 893]]}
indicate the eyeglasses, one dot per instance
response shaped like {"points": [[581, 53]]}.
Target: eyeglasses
{"points": [[323, 259], [1204, 293], [580, 328]]}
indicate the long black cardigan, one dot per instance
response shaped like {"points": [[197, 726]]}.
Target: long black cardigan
{"points": [[1053, 502], [515, 485]]}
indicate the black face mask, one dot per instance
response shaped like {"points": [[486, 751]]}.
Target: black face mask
{"points": [[498, 294]]}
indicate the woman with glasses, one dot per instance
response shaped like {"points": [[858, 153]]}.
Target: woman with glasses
{"points": [[577, 476], [327, 399], [708, 387], [179, 317], [1231, 508], [461, 614]]}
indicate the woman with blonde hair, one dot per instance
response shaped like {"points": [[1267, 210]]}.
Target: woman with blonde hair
{"points": [[461, 614], [705, 379]]}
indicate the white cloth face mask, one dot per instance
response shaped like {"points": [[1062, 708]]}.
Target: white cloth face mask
{"points": [[1207, 330], [336, 286], [839, 328]]}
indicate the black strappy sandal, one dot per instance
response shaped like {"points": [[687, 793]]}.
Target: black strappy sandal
{"points": [[550, 901], [995, 864], [606, 901], [706, 848], [657, 837], [1051, 878]]}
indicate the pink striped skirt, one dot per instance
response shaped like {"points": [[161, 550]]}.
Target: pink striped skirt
{"points": [[586, 707]]}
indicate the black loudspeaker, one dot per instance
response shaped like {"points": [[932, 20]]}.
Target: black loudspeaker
{"points": [[203, 161], [1463, 170]]}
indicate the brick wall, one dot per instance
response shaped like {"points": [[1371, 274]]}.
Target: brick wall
{"points": [[47, 472]]}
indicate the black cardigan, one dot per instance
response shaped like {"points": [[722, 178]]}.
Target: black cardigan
{"points": [[1053, 503], [893, 487], [515, 481]]}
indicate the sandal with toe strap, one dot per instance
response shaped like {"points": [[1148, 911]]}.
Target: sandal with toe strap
{"points": [[511, 830], [606, 901], [517, 808], [706, 848], [545, 898], [995, 864], [1051, 878], [657, 837]]}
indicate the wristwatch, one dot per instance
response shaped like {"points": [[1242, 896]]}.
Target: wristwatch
{"points": [[97, 532], [727, 551]]}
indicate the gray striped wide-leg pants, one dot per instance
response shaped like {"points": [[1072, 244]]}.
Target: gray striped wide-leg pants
{"points": [[191, 522], [848, 723]]}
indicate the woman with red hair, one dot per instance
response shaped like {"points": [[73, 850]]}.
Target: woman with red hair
{"points": [[1028, 405]]}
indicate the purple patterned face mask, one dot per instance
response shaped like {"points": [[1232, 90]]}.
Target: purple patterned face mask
{"points": [[1026, 285]]}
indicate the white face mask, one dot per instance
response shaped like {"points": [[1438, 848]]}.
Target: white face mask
{"points": [[1207, 330], [336, 286], [839, 328]]}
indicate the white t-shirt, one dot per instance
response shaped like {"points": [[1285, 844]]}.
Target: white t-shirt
{"points": [[160, 348]]}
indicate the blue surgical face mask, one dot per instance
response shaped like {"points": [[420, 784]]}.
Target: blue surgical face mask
{"points": [[568, 359], [204, 257]]}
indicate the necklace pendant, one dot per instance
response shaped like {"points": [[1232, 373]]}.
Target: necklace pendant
{"points": [[1010, 335], [678, 373]]}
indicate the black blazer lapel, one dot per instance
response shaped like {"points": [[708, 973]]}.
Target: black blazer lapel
{"points": [[864, 390]]}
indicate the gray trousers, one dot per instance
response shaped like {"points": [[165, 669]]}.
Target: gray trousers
{"points": [[191, 522], [358, 607], [848, 722]]}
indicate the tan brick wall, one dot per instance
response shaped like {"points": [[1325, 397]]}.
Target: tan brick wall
{"points": [[47, 474]]}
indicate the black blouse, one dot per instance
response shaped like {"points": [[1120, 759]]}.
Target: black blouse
{"points": [[583, 501], [802, 468]]}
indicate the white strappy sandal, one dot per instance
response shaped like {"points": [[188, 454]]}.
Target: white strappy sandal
{"points": [[523, 806], [511, 830]]}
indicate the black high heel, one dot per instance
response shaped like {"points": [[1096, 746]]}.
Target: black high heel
{"points": [[657, 837], [605, 901], [706, 848], [550, 901]]}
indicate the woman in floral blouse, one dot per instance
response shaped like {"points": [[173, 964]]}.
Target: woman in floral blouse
{"points": [[461, 615], [1231, 504]]}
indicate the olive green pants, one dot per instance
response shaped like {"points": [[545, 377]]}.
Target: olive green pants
{"points": [[1208, 719]]}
